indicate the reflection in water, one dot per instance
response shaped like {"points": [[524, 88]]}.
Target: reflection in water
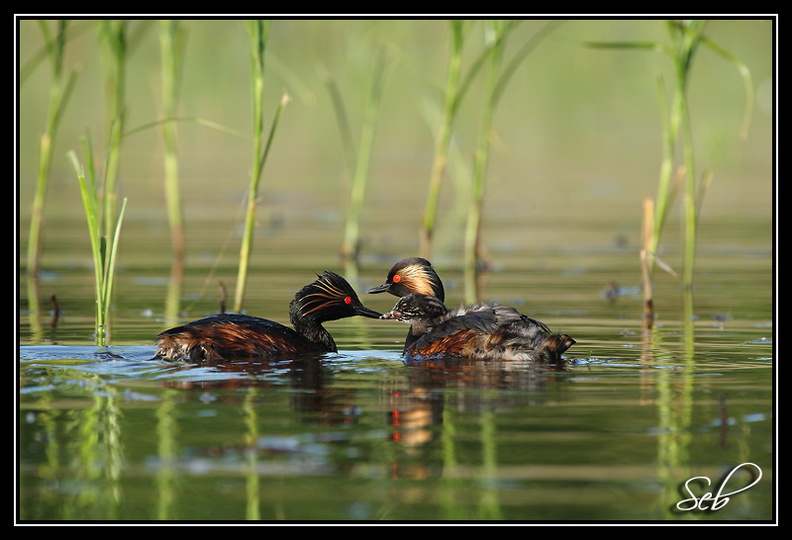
{"points": [[421, 410], [35, 315], [420, 416], [308, 380], [311, 398], [448, 435], [458, 438], [675, 404], [82, 473]]}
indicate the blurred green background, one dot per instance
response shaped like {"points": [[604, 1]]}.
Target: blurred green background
{"points": [[576, 147], [577, 130]]}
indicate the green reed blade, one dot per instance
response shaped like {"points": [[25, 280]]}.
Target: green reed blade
{"points": [[351, 243], [258, 31]]}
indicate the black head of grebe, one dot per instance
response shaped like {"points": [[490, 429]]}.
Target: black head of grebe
{"points": [[412, 275], [329, 298], [233, 335], [479, 332]]}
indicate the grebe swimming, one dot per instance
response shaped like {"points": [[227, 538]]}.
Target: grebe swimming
{"points": [[232, 335], [478, 332]]}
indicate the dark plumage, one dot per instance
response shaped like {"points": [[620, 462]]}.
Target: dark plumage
{"points": [[227, 336], [478, 332]]}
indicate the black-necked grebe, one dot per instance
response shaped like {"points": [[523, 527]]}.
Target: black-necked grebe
{"points": [[412, 275], [231, 336], [478, 332]]}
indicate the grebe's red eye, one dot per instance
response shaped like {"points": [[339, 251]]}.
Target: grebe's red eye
{"points": [[396, 278], [348, 300]]}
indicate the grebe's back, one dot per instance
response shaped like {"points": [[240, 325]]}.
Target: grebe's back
{"points": [[478, 332]]}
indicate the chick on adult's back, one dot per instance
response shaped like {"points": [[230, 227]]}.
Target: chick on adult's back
{"points": [[479, 332]]}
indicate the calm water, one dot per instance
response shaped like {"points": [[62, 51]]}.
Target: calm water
{"points": [[109, 434]]}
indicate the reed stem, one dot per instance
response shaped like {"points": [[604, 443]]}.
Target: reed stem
{"points": [[443, 136], [473, 228], [497, 80], [351, 245], [60, 90], [172, 36], [114, 37], [685, 39], [647, 231], [258, 31], [103, 248], [455, 89]]}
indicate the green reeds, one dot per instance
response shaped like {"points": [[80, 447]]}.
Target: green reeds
{"points": [[258, 31], [100, 201], [113, 35], [456, 87], [172, 37], [685, 39], [61, 86], [496, 33], [351, 244], [103, 247], [452, 96]]}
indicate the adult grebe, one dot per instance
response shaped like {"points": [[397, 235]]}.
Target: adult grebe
{"points": [[232, 335], [412, 275], [478, 332]]}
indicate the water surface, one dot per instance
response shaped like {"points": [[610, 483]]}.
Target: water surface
{"points": [[110, 434]]}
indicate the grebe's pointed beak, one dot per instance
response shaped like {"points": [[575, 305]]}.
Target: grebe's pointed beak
{"points": [[392, 314], [379, 289], [363, 311]]}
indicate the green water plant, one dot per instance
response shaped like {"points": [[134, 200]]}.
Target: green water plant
{"points": [[452, 96], [172, 36], [685, 39], [456, 87], [104, 248], [350, 246], [497, 78], [61, 86], [495, 33], [257, 31], [113, 37]]}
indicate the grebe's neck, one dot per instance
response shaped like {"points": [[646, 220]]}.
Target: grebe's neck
{"points": [[313, 331]]}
